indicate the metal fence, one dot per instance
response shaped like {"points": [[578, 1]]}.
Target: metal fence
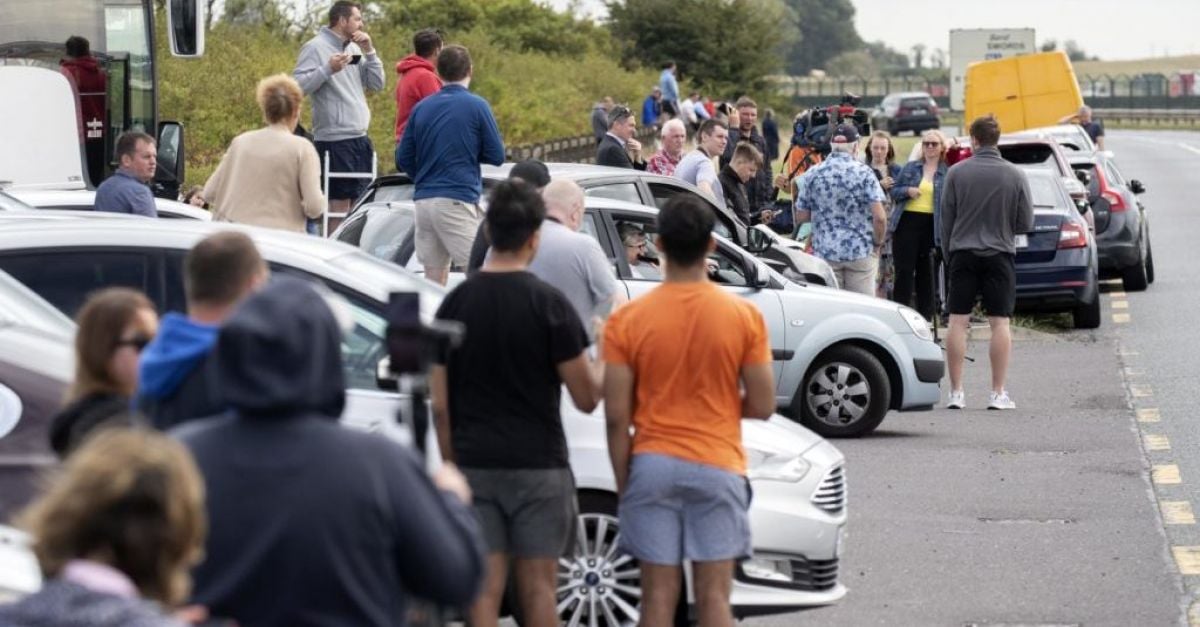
{"points": [[580, 149], [1177, 90]]}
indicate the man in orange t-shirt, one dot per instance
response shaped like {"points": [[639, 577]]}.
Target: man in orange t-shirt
{"points": [[677, 360]]}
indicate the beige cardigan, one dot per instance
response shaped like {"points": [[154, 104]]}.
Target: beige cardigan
{"points": [[269, 177]]}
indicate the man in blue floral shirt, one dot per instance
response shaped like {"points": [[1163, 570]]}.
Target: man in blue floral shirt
{"points": [[844, 201]]}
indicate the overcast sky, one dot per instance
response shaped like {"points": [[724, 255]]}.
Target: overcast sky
{"points": [[1112, 29]]}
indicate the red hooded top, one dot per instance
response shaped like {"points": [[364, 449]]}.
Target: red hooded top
{"points": [[90, 84], [417, 80]]}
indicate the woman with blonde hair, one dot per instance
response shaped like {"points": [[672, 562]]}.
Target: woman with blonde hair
{"points": [[113, 327], [881, 157], [270, 176], [915, 226], [115, 534]]}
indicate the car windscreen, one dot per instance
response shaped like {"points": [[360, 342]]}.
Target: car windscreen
{"points": [[1046, 192], [920, 102], [1038, 156]]}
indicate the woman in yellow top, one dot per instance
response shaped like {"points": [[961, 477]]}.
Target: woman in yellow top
{"points": [[915, 224], [269, 177]]}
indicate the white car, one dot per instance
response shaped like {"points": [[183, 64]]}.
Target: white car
{"points": [[85, 200], [797, 515]]}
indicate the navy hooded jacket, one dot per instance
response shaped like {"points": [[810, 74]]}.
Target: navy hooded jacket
{"points": [[311, 523], [177, 376]]}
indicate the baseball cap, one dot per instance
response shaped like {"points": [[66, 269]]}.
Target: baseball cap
{"points": [[845, 133], [531, 171]]}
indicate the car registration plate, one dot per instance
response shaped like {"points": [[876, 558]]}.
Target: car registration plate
{"points": [[1022, 240], [919, 111]]}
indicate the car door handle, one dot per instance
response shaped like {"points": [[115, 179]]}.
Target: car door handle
{"points": [[782, 355]]}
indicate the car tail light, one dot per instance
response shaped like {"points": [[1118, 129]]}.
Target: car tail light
{"points": [[1072, 235], [934, 108], [903, 111], [1115, 200]]}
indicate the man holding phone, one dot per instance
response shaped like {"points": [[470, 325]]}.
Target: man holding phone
{"points": [[340, 113]]}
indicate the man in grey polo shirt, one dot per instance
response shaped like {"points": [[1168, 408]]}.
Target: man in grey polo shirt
{"points": [[985, 205], [571, 261], [127, 190]]}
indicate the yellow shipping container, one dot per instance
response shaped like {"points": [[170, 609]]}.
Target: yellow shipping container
{"points": [[1023, 92]]}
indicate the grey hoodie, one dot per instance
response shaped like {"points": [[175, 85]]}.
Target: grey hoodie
{"points": [[339, 105]]}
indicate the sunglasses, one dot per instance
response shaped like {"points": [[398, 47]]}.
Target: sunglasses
{"points": [[137, 342], [621, 111], [932, 144]]}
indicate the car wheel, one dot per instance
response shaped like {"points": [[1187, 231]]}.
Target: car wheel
{"points": [[1087, 315], [891, 129], [845, 393], [1149, 261], [598, 585], [1136, 278]]}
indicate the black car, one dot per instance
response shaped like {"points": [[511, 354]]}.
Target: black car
{"points": [[1056, 264], [914, 111], [651, 190], [1122, 226]]}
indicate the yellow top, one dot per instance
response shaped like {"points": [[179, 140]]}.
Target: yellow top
{"points": [[924, 202]]}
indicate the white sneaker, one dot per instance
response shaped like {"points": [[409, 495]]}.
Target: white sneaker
{"points": [[957, 400], [1000, 401]]}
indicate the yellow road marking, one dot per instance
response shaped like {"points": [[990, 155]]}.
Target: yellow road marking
{"points": [[1148, 415], [1141, 391], [1187, 558], [1156, 442], [1165, 474], [1117, 294], [1120, 318], [1177, 512], [1120, 304], [1134, 372], [1194, 614]]}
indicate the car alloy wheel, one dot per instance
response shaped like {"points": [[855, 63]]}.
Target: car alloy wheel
{"points": [[598, 585], [846, 393]]}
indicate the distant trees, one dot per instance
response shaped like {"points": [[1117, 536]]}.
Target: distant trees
{"points": [[1074, 51]]}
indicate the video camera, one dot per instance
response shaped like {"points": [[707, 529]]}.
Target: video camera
{"points": [[814, 130]]}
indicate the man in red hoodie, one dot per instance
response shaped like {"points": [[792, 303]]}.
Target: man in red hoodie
{"points": [[418, 78], [90, 83]]}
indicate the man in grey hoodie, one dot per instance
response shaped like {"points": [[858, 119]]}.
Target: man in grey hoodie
{"points": [[333, 70]]}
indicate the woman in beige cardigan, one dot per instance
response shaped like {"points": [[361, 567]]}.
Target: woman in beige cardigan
{"points": [[269, 177]]}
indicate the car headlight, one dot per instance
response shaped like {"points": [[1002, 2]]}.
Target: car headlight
{"points": [[775, 467], [916, 322]]}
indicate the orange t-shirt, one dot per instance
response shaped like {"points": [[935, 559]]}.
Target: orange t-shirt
{"points": [[686, 344]]}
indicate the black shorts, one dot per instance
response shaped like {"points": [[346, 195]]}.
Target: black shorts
{"points": [[668, 108], [345, 156], [994, 277]]}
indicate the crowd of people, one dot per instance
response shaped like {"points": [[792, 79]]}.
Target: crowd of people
{"points": [[258, 509]]}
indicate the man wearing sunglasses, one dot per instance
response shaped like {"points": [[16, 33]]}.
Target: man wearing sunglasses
{"points": [[618, 148]]}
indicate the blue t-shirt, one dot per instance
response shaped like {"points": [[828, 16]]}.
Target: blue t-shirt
{"points": [[1094, 129], [123, 193], [839, 193], [697, 167]]}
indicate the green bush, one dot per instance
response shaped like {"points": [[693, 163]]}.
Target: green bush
{"points": [[535, 96]]}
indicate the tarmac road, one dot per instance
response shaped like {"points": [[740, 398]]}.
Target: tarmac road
{"points": [[1048, 515]]}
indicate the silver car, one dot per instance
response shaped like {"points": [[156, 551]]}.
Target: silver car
{"points": [[842, 360], [798, 514], [85, 200]]}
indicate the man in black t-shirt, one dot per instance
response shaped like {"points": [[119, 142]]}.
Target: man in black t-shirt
{"points": [[496, 404]]}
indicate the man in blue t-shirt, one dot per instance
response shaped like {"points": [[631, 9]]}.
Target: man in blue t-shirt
{"points": [[1093, 127], [127, 190]]}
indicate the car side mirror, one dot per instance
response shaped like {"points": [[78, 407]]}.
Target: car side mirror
{"points": [[1137, 187], [757, 242], [1084, 176], [185, 27], [172, 162]]}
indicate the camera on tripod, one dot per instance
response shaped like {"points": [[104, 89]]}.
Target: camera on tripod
{"points": [[814, 129], [413, 346]]}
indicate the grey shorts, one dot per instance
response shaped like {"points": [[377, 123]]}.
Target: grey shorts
{"points": [[525, 512], [445, 231], [674, 510]]}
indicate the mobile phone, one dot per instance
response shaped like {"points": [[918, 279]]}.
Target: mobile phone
{"points": [[355, 58], [403, 314]]}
